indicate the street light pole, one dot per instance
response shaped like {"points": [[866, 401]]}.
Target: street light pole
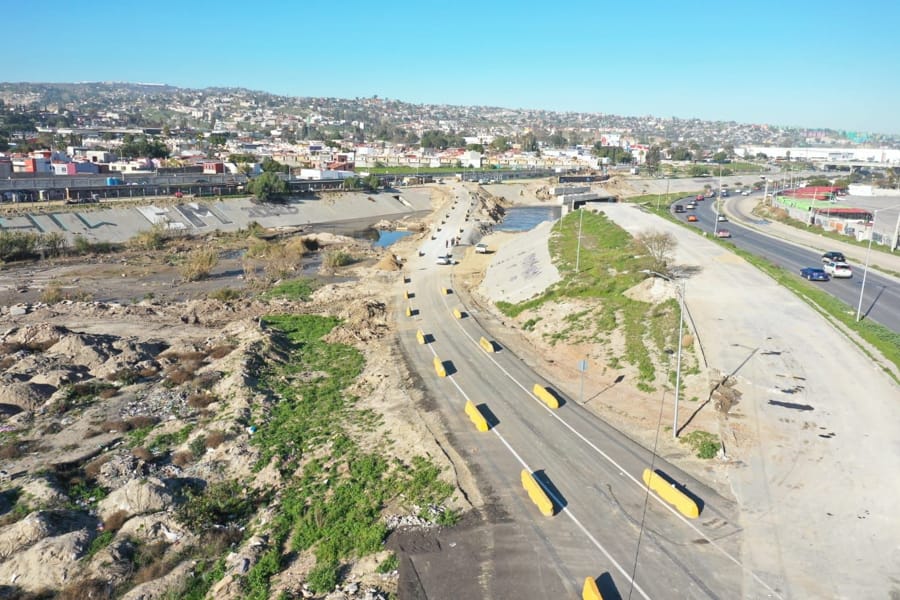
{"points": [[578, 250], [678, 360], [862, 288], [680, 343]]}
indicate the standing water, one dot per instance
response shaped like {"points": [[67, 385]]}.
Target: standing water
{"points": [[524, 218]]}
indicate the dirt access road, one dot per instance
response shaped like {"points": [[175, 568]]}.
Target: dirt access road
{"points": [[813, 435]]}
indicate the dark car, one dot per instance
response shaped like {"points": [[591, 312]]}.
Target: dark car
{"points": [[679, 208], [814, 274], [837, 257]]}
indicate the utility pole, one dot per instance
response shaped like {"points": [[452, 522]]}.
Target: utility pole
{"points": [[578, 250]]}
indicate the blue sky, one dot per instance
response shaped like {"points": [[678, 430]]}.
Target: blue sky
{"points": [[791, 62]]}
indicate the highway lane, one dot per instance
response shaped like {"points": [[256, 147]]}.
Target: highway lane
{"points": [[881, 300], [593, 469]]}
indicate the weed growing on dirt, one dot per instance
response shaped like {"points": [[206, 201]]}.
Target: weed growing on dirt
{"points": [[164, 441], [610, 263], [228, 503], [391, 563], [99, 543], [293, 289], [337, 258], [226, 294], [333, 505], [705, 444]]}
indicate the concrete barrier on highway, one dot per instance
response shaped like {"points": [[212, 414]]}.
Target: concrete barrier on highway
{"points": [[439, 367], [476, 417], [420, 336], [545, 396], [486, 344], [408, 310], [671, 494], [537, 494], [590, 590], [457, 313], [406, 294], [445, 291]]}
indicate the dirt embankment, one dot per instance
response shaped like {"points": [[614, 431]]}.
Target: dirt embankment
{"points": [[114, 416]]}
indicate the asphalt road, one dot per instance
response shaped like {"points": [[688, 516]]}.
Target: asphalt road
{"points": [[881, 300], [604, 516]]}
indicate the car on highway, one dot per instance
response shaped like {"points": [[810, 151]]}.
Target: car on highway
{"points": [[723, 233], [745, 193], [838, 270], [833, 256], [814, 274], [721, 218], [692, 218], [724, 193], [699, 198], [691, 205], [445, 260], [679, 208]]}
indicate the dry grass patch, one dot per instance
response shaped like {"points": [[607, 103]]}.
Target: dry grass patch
{"points": [[201, 400], [215, 439], [92, 469], [199, 264], [221, 351], [142, 453], [182, 458], [141, 421], [115, 521]]}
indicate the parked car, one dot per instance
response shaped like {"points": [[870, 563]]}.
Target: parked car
{"points": [[838, 269], [814, 274], [445, 260], [723, 233], [481, 248], [833, 256], [692, 218]]}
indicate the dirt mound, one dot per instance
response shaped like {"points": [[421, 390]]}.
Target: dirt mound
{"points": [[389, 262], [27, 396], [363, 320], [34, 337]]}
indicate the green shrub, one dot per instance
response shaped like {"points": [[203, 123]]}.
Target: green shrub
{"points": [[198, 264], [100, 542], [391, 563], [323, 577], [219, 504], [225, 294], [294, 289], [337, 258], [705, 444]]}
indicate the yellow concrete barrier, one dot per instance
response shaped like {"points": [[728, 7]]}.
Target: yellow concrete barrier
{"points": [[457, 313], [671, 494], [420, 336], [445, 291], [408, 311], [590, 591], [537, 494], [406, 294], [439, 367], [476, 417], [545, 396], [486, 344]]}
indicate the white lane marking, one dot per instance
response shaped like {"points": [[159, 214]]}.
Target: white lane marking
{"points": [[568, 513], [556, 499], [640, 484]]}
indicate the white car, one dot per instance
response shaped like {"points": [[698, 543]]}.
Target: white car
{"points": [[721, 218], [481, 248], [745, 193], [838, 269]]}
